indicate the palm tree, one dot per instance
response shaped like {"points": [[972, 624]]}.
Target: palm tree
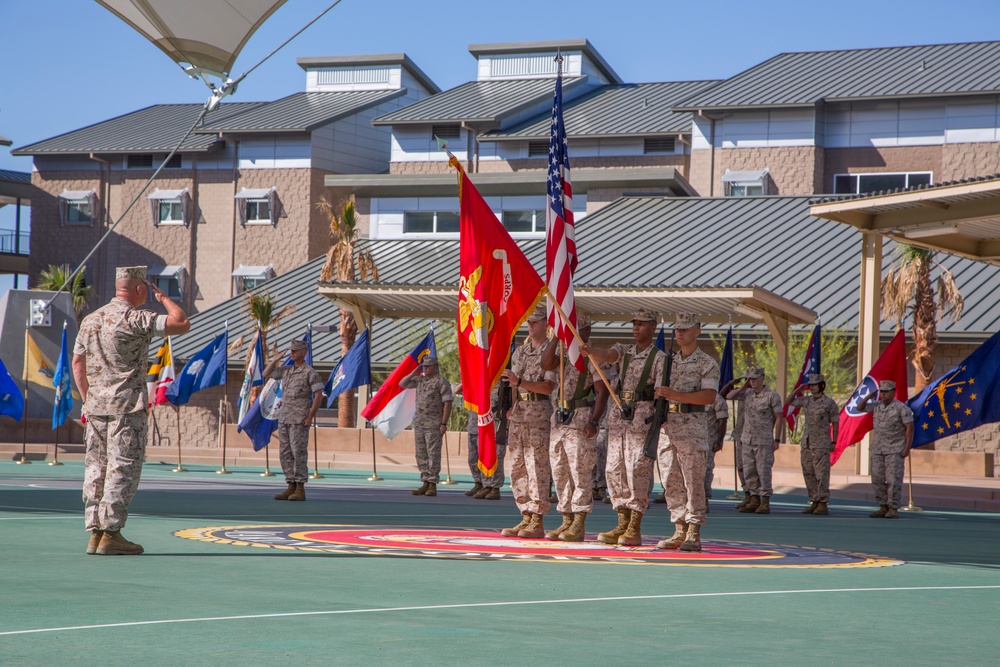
{"points": [[345, 264], [909, 289], [262, 308], [54, 277]]}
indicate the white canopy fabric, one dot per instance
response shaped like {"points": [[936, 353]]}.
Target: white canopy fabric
{"points": [[207, 34]]}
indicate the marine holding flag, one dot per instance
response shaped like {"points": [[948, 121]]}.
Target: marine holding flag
{"points": [[109, 366]]}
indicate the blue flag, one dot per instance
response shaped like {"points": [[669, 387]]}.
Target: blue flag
{"points": [[61, 380], [726, 364], [353, 370], [309, 347], [262, 418], [11, 398], [205, 369], [965, 397], [661, 342]]}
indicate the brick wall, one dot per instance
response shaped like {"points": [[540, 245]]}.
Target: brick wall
{"points": [[960, 161]]}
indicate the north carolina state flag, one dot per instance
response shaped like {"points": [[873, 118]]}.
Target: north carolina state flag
{"points": [[891, 365], [497, 289]]}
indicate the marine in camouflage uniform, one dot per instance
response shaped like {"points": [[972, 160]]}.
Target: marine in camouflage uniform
{"points": [[430, 422], [760, 440], [629, 471], [892, 435], [528, 429], [821, 415], [573, 436], [720, 412], [601, 443], [691, 391], [483, 487], [739, 410], [109, 366], [301, 393]]}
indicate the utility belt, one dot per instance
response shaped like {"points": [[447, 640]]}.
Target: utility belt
{"points": [[531, 396], [629, 399], [566, 409], [689, 407]]}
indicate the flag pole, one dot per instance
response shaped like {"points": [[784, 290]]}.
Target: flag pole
{"points": [[222, 436], [576, 334], [315, 474], [55, 452], [371, 338], [24, 426], [447, 461], [180, 465], [909, 468]]}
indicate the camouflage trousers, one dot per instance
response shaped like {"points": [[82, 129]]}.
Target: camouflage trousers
{"points": [[629, 472], [887, 478], [116, 448], [494, 481], [709, 472], [757, 463], [601, 459], [738, 448], [428, 452], [293, 452], [683, 466], [530, 471], [572, 456], [816, 473]]}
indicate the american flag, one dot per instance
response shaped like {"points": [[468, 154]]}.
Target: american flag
{"points": [[560, 242]]}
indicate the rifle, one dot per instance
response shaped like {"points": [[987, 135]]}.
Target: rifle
{"points": [[505, 402], [661, 409]]}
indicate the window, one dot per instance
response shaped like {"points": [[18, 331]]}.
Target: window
{"points": [[538, 149], [78, 212], [77, 207], [258, 206], [169, 284], [524, 221], [450, 131], [659, 145], [171, 279], [171, 207], [747, 183], [430, 222], [854, 184], [246, 278], [258, 210], [171, 211]]}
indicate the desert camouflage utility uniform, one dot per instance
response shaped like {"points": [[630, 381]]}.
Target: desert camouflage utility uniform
{"points": [[820, 413], [432, 394], [528, 433], [758, 439], [888, 440], [572, 454], [298, 387]]}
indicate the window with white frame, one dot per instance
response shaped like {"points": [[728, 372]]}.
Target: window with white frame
{"points": [[855, 184], [77, 207], [171, 207], [524, 221], [246, 278], [746, 183], [171, 279], [170, 211], [430, 222], [258, 206]]}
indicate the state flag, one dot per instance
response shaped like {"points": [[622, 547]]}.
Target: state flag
{"points": [[392, 408]]}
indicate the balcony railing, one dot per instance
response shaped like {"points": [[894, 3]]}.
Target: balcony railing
{"points": [[14, 243]]}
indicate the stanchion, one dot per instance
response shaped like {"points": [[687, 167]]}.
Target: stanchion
{"points": [[55, 451], [447, 462], [374, 477], [315, 474], [24, 422], [735, 495], [222, 434], [180, 464], [911, 507]]}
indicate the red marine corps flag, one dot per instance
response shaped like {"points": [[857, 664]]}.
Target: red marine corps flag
{"points": [[497, 289]]}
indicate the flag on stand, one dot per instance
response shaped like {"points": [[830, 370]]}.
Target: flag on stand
{"points": [[560, 233], [62, 381], [205, 369], [38, 368], [726, 371], [254, 377], [965, 397], [811, 365], [661, 340], [498, 288], [261, 419], [308, 338], [392, 407], [353, 370], [160, 375], [11, 398], [891, 365]]}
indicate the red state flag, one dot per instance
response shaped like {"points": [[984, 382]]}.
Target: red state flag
{"points": [[497, 289], [891, 365]]}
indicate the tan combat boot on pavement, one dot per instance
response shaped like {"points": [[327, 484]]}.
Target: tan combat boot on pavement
{"points": [[892, 513], [113, 544], [299, 493], [743, 503], [751, 506], [811, 508], [611, 537], [576, 530], [422, 490], [512, 532], [476, 488], [556, 532], [765, 505], [880, 512], [534, 527], [432, 489], [95, 540], [821, 508], [675, 540], [287, 492], [632, 537], [693, 540], [492, 493]]}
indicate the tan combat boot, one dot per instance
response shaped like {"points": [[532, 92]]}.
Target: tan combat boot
{"points": [[811, 509], [880, 512], [422, 490], [743, 503], [492, 493], [512, 532], [113, 544], [765, 505], [576, 530], [95, 540], [675, 540], [821, 508], [556, 532], [299, 493], [474, 490], [751, 506], [693, 540], [611, 537], [892, 513], [534, 527], [432, 489], [632, 537], [287, 492]]}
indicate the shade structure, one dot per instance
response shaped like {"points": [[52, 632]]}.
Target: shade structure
{"points": [[206, 34]]}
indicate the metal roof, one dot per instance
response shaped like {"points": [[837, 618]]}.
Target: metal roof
{"points": [[15, 186], [477, 101], [15, 176], [631, 109], [804, 79], [301, 112], [312, 62]]}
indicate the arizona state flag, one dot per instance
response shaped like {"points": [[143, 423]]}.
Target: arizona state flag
{"points": [[497, 289]]}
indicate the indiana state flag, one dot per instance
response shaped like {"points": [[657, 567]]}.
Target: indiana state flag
{"points": [[205, 369], [11, 398], [353, 370], [965, 397], [64, 388]]}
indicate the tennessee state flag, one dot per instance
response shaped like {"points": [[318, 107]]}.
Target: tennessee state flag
{"points": [[891, 365], [497, 289]]}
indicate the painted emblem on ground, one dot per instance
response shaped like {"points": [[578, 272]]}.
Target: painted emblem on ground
{"points": [[489, 545]]}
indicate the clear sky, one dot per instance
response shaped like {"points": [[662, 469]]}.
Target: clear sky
{"points": [[65, 64]]}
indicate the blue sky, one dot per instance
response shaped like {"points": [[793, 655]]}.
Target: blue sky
{"points": [[67, 63]]}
